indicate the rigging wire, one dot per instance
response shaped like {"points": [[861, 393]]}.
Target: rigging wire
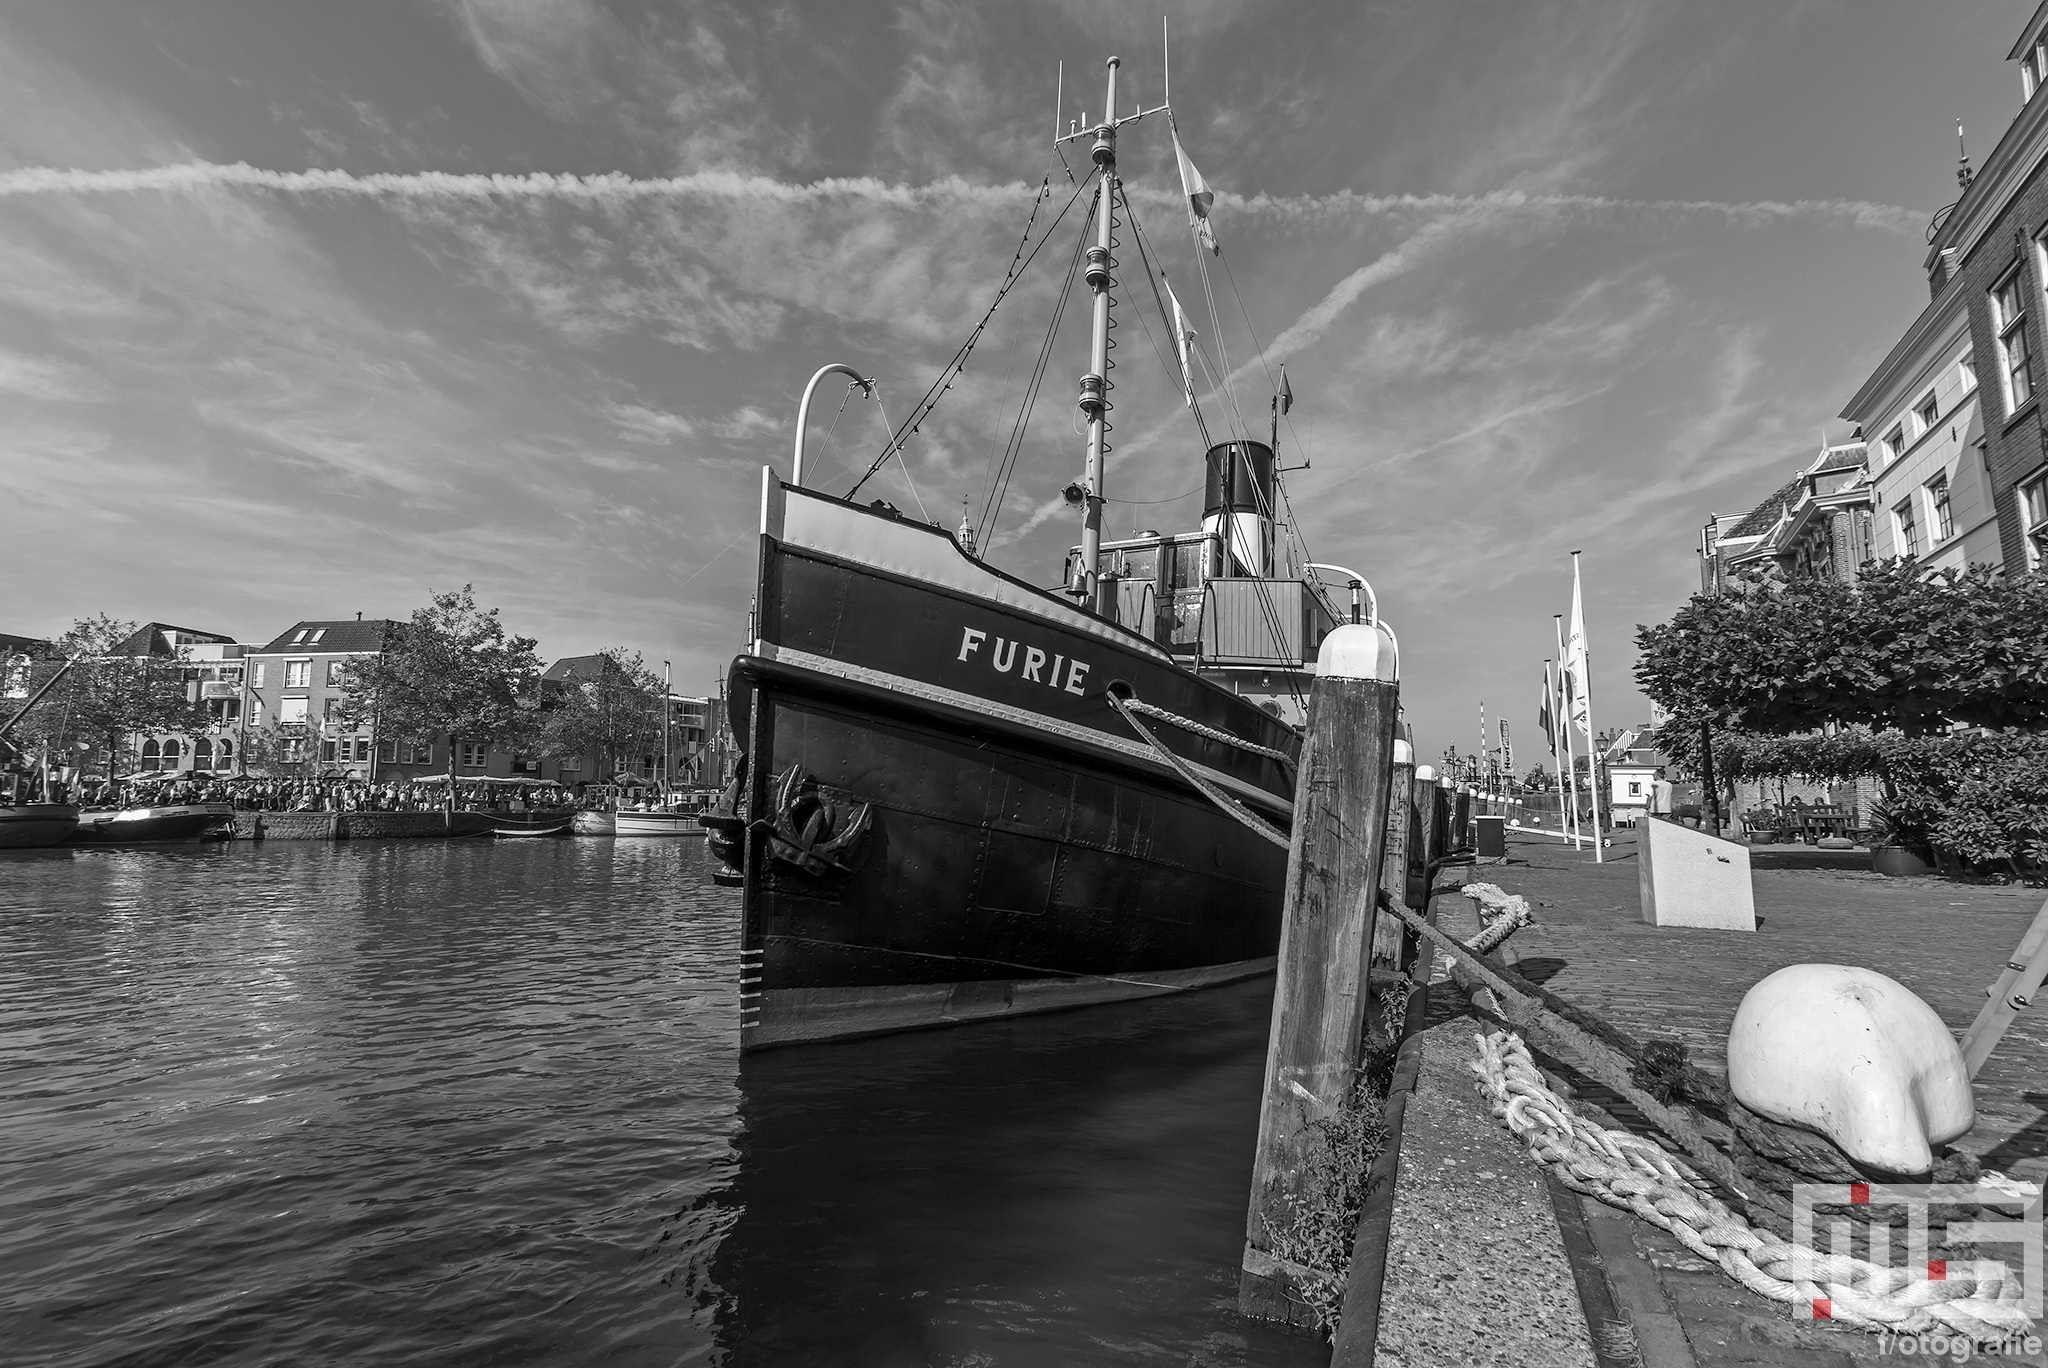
{"points": [[827, 451], [1019, 263], [992, 505], [1153, 277], [901, 464]]}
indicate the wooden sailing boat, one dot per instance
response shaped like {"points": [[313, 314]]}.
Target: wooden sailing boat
{"points": [[966, 797]]}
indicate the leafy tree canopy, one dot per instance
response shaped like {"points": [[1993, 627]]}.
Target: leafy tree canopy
{"points": [[613, 713], [1899, 649], [107, 695], [452, 670]]}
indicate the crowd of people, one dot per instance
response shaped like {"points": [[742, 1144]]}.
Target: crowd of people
{"points": [[318, 795]]}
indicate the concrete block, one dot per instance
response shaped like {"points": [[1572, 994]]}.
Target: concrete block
{"points": [[1688, 878]]}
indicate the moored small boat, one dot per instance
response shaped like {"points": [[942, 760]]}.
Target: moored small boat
{"points": [[657, 822], [175, 823], [559, 828], [29, 826]]}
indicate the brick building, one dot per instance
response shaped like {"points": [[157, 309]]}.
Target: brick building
{"points": [[290, 690], [1991, 250]]}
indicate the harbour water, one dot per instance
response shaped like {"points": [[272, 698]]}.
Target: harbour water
{"points": [[476, 1102]]}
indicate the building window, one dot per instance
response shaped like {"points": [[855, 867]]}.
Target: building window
{"points": [[149, 755], [1909, 533], [318, 632], [2034, 515], [298, 674], [387, 751], [327, 752], [1926, 412], [569, 764], [294, 750], [256, 675], [1894, 442], [225, 750], [255, 712], [2010, 318], [1937, 502], [336, 672], [292, 709], [172, 750], [471, 755], [202, 754], [299, 637], [1966, 374]]}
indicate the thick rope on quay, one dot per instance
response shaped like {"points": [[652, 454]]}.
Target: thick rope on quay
{"points": [[1979, 1298]]}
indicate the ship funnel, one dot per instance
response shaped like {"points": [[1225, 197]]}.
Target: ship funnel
{"points": [[1237, 508]]}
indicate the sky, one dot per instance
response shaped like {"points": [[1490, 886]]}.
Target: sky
{"points": [[1545, 277]]}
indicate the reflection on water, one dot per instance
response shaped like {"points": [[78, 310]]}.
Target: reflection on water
{"points": [[480, 1103]]}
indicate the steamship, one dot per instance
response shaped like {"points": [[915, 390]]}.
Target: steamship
{"points": [[964, 796]]}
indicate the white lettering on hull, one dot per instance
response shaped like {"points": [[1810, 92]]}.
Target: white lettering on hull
{"points": [[1002, 658]]}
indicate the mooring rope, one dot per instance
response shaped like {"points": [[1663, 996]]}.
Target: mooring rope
{"points": [[1188, 724], [1230, 806], [1977, 1298]]}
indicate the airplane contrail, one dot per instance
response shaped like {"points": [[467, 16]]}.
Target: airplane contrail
{"points": [[1294, 210]]}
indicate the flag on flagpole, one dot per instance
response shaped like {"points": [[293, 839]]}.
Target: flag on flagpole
{"points": [[1200, 197], [1183, 334], [1577, 667], [1546, 718]]}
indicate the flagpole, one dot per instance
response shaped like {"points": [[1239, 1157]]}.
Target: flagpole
{"points": [[1586, 683], [1550, 705], [1571, 779]]}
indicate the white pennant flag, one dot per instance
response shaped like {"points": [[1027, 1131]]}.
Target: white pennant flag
{"points": [[1183, 334], [1200, 197], [1578, 669]]}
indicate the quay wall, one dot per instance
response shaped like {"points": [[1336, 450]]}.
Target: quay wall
{"points": [[356, 826]]}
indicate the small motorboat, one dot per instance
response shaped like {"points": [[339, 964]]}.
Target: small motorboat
{"points": [[658, 821], [170, 824], [29, 826]]}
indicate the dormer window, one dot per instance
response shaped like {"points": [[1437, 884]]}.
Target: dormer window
{"points": [[299, 637], [318, 632]]}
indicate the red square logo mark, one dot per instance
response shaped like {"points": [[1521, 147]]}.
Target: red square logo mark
{"points": [[1859, 1194], [1937, 1270], [1823, 1309]]}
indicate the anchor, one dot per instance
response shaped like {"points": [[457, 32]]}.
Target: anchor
{"points": [[812, 832]]}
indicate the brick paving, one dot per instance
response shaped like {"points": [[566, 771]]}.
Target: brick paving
{"points": [[1945, 941]]}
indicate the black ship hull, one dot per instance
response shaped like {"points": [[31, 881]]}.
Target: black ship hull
{"points": [[944, 820]]}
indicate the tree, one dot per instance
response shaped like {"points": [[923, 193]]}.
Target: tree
{"points": [[1899, 649], [109, 695], [451, 671], [614, 712]]}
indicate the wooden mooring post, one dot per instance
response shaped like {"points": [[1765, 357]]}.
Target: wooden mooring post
{"points": [[1334, 871]]}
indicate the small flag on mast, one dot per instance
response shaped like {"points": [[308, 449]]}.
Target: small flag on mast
{"points": [[1286, 390], [1545, 714], [1183, 335], [1200, 197]]}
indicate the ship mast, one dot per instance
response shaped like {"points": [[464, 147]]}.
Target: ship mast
{"points": [[1095, 384]]}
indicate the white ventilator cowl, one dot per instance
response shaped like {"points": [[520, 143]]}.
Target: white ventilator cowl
{"points": [[1425, 774], [1404, 754], [1856, 1056]]}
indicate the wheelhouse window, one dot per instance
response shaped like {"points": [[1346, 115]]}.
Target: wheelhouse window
{"points": [[2009, 316], [2034, 517], [1938, 508], [1908, 529]]}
